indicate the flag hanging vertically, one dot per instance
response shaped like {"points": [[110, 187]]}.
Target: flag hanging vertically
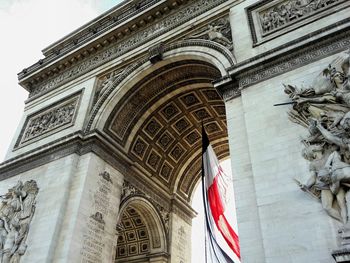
{"points": [[216, 185]]}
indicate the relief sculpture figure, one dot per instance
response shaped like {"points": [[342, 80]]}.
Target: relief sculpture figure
{"points": [[324, 109], [289, 11], [16, 212], [218, 31]]}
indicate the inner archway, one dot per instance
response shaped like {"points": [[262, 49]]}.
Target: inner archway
{"points": [[141, 233], [158, 121]]}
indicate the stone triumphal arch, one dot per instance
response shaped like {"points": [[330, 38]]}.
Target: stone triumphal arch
{"points": [[106, 158]]}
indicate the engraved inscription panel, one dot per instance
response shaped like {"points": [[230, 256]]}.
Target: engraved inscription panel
{"points": [[97, 232]]}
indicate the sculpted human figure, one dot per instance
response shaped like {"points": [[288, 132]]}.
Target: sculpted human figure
{"points": [[11, 242], [12, 202], [3, 234], [215, 33], [318, 158], [16, 212], [338, 172], [342, 142]]}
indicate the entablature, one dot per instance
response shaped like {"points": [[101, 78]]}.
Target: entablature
{"points": [[104, 41]]}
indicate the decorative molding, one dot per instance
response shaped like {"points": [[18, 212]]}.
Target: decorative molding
{"points": [[17, 211], [203, 43], [269, 19], [49, 120], [278, 61], [292, 60], [91, 32], [138, 38], [227, 88]]}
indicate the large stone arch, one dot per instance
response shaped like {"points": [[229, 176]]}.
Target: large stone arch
{"points": [[201, 50], [82, 150], [137, 102]]}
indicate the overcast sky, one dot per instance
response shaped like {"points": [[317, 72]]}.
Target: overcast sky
{"points": [[27, 27]]}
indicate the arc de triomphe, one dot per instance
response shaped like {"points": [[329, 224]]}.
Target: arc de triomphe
{"points": [[106, 158]]}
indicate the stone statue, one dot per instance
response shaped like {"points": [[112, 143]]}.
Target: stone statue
{"points": [[324, 109], [218, 31], [16, 212]]}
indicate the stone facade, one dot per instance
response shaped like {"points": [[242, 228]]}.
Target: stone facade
{"points": [[111, 130]]}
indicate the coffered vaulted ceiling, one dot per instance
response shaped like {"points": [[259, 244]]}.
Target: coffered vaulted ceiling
{"points": [[158, 123]]}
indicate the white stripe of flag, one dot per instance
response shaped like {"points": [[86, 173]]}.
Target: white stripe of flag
{"points": [[222, 243]]}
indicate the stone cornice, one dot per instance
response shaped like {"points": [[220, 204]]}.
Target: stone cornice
{"points": [[77, 143], [113, 18], [47, 75], [299, 52]]}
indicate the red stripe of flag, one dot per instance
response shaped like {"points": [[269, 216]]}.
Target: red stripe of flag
{"points": [[217, 211]]}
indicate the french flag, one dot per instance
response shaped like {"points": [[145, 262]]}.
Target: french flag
{"points": [[222, 243]]}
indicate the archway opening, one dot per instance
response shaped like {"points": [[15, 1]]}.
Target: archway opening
{"points": [[140, 233], [155, 122]]}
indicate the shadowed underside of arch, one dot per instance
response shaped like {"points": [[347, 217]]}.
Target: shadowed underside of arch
{"points": [[158, 123]]}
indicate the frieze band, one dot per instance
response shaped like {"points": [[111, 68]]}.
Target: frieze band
{"points": [[271, 18], [249, 73], [139, 38]]}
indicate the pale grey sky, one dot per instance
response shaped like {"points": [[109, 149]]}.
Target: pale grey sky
{"points": [[27, 27]]}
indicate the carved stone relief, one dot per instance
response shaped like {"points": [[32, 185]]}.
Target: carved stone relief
{"points": [[269, 16], [16, 213], [218, 31], [324, 109], [52, 118], [104, 83]]}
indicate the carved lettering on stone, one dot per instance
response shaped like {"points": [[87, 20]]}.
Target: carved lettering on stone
{"points": [[52, 119], [218, 31], [16, 213], [94, 236], [324, 109]]}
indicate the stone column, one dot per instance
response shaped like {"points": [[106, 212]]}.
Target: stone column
{"points": [[247, 210], [89, 233], [180, 233]]}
